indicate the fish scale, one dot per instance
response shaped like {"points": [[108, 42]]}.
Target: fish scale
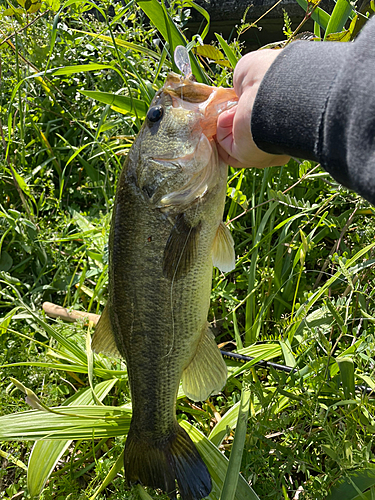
{"points": [[166, 222]]}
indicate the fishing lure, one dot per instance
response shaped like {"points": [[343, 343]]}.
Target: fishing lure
{"points": [[182, 60]]}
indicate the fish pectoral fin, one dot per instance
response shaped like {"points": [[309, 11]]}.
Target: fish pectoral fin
{"points": [[103, 339], [181, 249], [207, 372], [223, 255]]}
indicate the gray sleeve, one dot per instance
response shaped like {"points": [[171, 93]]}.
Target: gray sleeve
{"points": [[317, 102]]}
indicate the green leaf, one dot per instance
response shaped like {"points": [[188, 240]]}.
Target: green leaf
{"points": [[31, 398], [272, 353], [334, 313], [143, 495], [11, 12], [213, 53], [287, 353], [71, 347], [232, 475], [343, 36], [319, 15], [134, 106], [70, 422], [21, 182], [302, 311], [217, 465], [339, 16], [99, 372], [204, 13], [225, 425], [124, 44], [82, 68], [328, 450], [6, 261], [347, 487], [163, 22], [43, 459], [32, 7], [53, 5], [116, 467], [237, 334], [233, 59], [46, 453], [90, 367], [369, 381], [5, 321], [346, 366]]}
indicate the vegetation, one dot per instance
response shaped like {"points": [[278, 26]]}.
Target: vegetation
{"points": [[76, 82]]}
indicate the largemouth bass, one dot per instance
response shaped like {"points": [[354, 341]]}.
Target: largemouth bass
{"points": [[166, 235]]}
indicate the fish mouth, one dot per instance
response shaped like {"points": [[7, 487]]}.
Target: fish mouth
{"points": [[202, 163], [208, 102], [186, 89]]}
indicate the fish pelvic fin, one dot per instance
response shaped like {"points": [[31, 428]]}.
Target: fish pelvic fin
{"points": [[103, 339], [159, 464], [223, 255], [207, 372]]}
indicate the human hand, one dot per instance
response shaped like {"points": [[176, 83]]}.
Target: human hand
{"points": [[235, 142]]}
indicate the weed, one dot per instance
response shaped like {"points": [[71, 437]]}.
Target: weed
{"points": [[75, 87]]}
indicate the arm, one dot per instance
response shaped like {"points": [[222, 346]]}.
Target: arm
{"points": [[316, 101]]}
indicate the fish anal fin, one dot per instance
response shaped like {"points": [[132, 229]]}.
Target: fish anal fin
{"points": [[103, 339], [223, 255], [207, 372], [159, 464], [181, 249]]}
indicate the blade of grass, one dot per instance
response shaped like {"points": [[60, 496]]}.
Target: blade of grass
{"points": [[82, 68], [124, 44], [99, 372], [303, 310], [46, 453], [251, 312], [347, 487], [70, 422], [233, 59], [339, 16], [217, 465], [204, 13], [116, 467], [165, 25], [232, 475], [134, 106], [227, 423]]}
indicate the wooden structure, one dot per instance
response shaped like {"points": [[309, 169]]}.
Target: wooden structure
{"points": [[227, 14]]}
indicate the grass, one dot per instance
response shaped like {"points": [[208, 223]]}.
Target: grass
{"points": [[74, 93]]}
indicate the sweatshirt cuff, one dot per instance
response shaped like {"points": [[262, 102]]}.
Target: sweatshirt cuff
{"points": [[293, 96]]}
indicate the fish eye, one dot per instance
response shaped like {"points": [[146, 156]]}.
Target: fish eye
{"points": [[155, 113]]}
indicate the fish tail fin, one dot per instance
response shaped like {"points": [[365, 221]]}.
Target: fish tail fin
{"points": [[159, 464]]}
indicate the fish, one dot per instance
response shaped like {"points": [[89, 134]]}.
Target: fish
{"points": [[167, 233]]}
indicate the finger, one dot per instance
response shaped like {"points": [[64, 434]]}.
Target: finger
{"points": [[228, 159], [225, 123], [223, 154]]}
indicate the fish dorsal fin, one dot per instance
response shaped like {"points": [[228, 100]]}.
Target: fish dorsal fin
{"points": [[181, 249], [207, 372], [103, 339], [223, 255]]}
